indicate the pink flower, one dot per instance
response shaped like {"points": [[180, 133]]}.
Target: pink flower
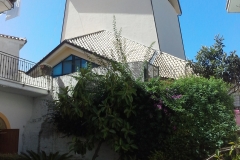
{"points": [[176, 96], [159, 106]]}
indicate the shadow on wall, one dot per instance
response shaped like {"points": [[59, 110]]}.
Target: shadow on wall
{"points": [[52, 141]]}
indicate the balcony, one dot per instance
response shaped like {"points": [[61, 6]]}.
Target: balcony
{"points": [[6, 5], [13, 77]]}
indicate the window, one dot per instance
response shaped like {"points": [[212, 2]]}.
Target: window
{"points": [[69, 65]]}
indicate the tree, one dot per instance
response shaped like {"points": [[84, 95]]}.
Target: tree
{"points": [[213, 61]]}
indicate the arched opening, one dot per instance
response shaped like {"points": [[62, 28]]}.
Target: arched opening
{"points": [[9, 138], [4, 123]]}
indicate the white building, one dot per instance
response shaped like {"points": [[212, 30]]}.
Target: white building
{"points": [[6, 5], [143, 21], [17, 92], [233, 6], [26, 87]]}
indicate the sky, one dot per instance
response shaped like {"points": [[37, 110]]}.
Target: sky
{"points": [[40, 22]]}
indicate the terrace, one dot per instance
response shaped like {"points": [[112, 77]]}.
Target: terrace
{"points": [[13, 77]]}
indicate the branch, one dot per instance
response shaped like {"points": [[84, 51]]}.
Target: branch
{"points": [[97, 150], [233, 89]]}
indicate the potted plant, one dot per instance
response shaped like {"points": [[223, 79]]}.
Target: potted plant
{"points": [[46, 70]]}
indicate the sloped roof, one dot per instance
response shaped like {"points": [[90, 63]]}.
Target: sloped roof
{"points": [[171, 66], [103, 43]]}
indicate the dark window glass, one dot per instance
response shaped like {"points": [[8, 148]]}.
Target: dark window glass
{"points": [[77, 65], [94, 65], [84, 63], [71, 64], [68, 58], [67, 67], [57, 70]]}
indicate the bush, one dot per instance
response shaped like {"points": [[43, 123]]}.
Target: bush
{"points": [[10, 157], [203, 118], [117, 110], [112, 108], [43, 156]]}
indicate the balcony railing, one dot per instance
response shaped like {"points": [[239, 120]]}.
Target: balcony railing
{"points": [[14, 69]]}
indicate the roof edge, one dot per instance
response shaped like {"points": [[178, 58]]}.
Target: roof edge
{"points": [[14, 38], [63, 22]]}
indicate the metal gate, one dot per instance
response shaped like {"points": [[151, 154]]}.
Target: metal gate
{"points": [[9, 140]]}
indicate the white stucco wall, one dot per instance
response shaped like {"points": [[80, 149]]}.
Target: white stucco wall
{"points": [[18, 110], [10, 46], [135, 17], [143, 21], [168, 28]]}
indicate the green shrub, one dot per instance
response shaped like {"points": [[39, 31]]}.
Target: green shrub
{"points": [[10, 157], [117, 110], [43, 156], [112, 108], [158, 155], [203, 118], [184, 119]]}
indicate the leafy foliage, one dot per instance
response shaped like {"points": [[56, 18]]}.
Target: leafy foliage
{"points": [[110, 109], [184, 119], [43, 156], [228, 153], [10, 157], [158, 155], [213, 61], [203, 119]]}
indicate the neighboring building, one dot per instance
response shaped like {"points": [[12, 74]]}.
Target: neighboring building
{"points": [[233, 6], [6, 5], [18, 93], [142, 21], [11, 44]]}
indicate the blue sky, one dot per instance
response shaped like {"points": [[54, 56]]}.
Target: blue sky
{"points": [[41, 23]]}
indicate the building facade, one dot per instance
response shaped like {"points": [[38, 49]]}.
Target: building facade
{"points": [[143, 21], [87, 34]]}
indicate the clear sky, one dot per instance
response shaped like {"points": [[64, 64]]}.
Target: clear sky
{"points": [[40, 21]]}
